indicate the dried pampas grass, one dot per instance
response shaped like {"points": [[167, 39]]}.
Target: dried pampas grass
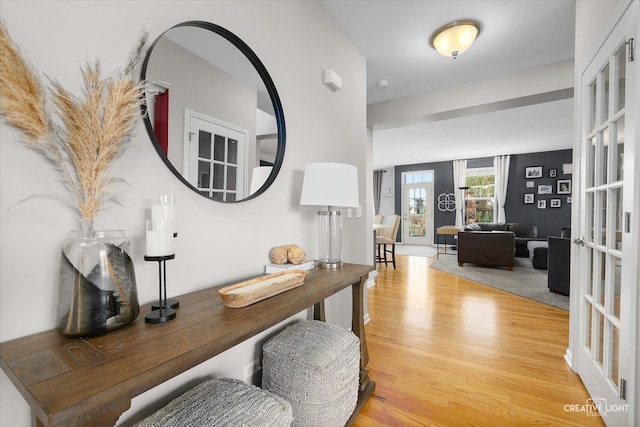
{"points": [[82, 136]]}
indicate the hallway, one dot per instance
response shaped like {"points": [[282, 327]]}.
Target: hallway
{"points": [[445, 351]]}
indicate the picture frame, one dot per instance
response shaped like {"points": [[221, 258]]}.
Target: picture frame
{"points": [[529, 198], [545, 189], [542, 204], [530, 184], [563, 186], [555, 203], [569, 200], [533, 172], [553, 173]]}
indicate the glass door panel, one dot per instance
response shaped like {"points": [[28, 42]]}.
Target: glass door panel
{"points": [[417, 212], [214, 159]]}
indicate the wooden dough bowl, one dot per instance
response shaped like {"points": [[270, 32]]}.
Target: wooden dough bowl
{"points": [[251, 291]]}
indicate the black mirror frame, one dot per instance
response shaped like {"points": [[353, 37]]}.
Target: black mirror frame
{"points": [[266, 79]]}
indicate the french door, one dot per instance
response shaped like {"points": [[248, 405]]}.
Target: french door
{"points": [[417, 215], [214, 157], [607, 258]]}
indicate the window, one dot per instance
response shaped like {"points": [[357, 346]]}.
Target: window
{"points": [[480, 197], [416, 177]]}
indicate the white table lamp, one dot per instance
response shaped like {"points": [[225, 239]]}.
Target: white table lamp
{"points": [[332, 185]]}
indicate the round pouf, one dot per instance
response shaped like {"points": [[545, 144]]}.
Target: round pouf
{"points": [[316, 367], [223, 402]]}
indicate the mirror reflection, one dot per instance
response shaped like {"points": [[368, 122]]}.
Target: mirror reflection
{"points": [[213, 112]]}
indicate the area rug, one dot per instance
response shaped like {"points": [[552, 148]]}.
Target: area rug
{"points": [[524, 280], [416, 250]]}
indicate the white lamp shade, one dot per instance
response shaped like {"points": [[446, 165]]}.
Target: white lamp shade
{"points": [[259, 177], [330, 184]]}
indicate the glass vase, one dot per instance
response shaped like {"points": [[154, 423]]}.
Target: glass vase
{"points": [[96, 284]]}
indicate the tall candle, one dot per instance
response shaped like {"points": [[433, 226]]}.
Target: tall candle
{"points": [[159, 238], [163, 208]]}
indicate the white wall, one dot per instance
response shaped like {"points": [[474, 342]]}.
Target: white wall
{"points": [[217, 243], [591, 19], [388, 197]]}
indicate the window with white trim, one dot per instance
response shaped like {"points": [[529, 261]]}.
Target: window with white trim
{"points": [[480, 197]]}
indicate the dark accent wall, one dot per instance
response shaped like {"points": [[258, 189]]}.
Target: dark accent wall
{"points": [[549, 221]]}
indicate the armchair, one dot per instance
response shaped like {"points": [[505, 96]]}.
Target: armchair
{"points": [[559, 263]]}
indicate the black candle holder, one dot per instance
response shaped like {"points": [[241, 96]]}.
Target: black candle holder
{"points": [[164, 310]]}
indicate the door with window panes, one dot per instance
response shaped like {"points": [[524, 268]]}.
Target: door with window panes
{"points": [[604, 251], [417, 208], [215, 159]]}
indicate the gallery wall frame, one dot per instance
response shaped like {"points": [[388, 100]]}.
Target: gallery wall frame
{"points": [[545, 189], [533, 172], [529, 198], [563, 186], [555, 203], [542, 204]]}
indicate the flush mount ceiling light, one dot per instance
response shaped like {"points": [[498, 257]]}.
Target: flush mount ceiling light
{"points": [[456, 37]]}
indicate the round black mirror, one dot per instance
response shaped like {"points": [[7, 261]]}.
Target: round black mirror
{"points": [[212, 112]]}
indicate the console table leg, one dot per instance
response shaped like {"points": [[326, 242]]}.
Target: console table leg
{"points": [[35, 421], [357, 318], [318, 312], [357, 326]]}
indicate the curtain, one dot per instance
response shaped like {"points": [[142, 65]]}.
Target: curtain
{"points": [[459, 178], [377, 190], [501, 166]]}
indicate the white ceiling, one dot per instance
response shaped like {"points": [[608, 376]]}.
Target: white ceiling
{"points": [[394, 35]]}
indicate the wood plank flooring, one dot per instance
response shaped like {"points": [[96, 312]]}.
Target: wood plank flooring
{"points": [[445, 351]]}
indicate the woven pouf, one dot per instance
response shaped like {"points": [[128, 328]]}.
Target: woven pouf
{"points": [[223, 402], [316, 367]]}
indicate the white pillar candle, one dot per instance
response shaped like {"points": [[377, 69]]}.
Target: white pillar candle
{"points": [[163, 208], [159, 238]]}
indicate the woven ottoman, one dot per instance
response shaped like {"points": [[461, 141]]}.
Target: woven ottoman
{"points": [[223, 402], [316, 367]]}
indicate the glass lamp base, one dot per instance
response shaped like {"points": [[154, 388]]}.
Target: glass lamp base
{"points": [[333, 263]]}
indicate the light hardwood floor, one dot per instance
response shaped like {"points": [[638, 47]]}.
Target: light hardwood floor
{"points": [[445, 351]]}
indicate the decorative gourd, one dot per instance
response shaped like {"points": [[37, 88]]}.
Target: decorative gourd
{"points": [[287, 253]]}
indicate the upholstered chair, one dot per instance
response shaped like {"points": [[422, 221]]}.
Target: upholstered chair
{"points": [[559, 262]]}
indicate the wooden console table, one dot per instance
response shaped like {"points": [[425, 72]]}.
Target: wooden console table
{"points": [[445, 230], [82, 382]]}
